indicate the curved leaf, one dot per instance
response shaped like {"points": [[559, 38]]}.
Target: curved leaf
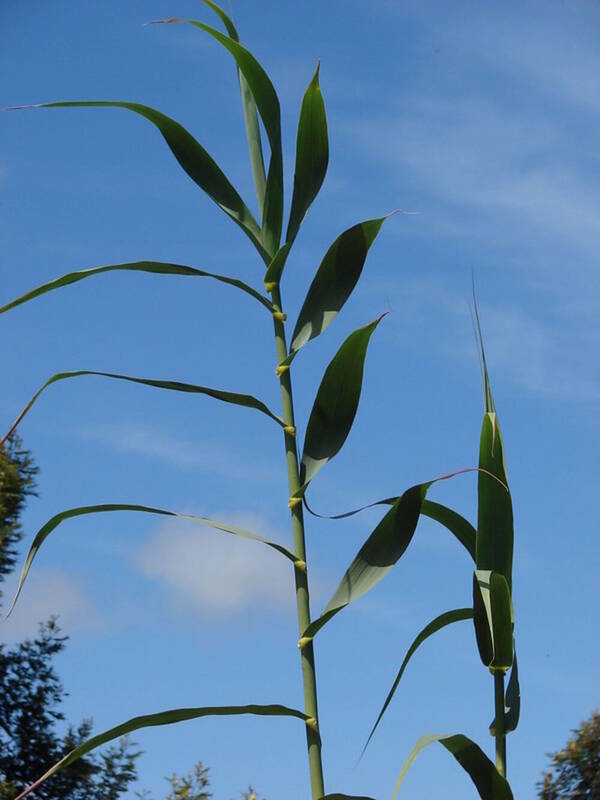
{"points": [[386, 544], [192, 157], [344, 797], [246, 400], [452, 520], [250, 115], [456, 615], [489, 783], [494, 506], [493, 619], [157, 267], [336, 403], [56, 520], [336, 277], [161, 718], [312, 155], [512, 701], [267, 103], [377, 556]]}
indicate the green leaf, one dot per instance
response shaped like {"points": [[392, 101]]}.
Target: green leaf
{"points": [[193, 158], [250, 115], [336, 403], [246, 400], [493, 618], [162, 718], [435, 625], [489, 783], [377, 556], [494, 507], [56, 520], [335, 279], [267, 103], [512, 701], [345, 797], [312, 155], [157, 267], [460, 527], [275, 268]]}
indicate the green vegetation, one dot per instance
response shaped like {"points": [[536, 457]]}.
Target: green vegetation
{"points": [[575, 772], [329, 423]]}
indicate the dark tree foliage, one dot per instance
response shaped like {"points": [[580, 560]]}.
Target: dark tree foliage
{"points": [[29, 742], [17, 482], [575, 772]]}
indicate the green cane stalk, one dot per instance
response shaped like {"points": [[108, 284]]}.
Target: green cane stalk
{"points": [[307, 656]]}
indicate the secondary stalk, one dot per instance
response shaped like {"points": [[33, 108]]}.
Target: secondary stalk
{"points": [[499, 723], [307, 657]]}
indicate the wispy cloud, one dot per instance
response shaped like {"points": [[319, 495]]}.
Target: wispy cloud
{"points": [[216, 574], [177, 452], [47, 592], [536, 352]]}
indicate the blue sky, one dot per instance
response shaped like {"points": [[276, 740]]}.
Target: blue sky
{"points": [[484, 121]]}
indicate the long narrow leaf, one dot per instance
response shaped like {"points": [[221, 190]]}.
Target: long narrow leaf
{"points": [[344, 797], [157, 267], [267, 103], [250, 116], [312, 155], [192, 157], [70, 513], [460, 527], [493, 619], [383, 548], [246, 400], [162, 718], [377, 556], [512, 701], [494, 506], [487, 780], [336, 277], [448, 618], [336, 403]]}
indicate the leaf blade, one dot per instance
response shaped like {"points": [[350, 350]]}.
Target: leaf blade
{"points": [[245, 400], [312, 155], [512, 701], [495, 525], [334, 281], [336, 403], [493, 619], [257, 162], [156, 267], [382, 549], [489, 783], [447, 618], [70, 513], [193, 159], [161, 718], [267, 103]]}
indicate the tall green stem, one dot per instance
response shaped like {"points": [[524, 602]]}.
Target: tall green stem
{"points": [[307, 657], [499, 723]]}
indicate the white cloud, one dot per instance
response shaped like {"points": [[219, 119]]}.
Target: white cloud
{"points": [[215, 573], [46, 592]]}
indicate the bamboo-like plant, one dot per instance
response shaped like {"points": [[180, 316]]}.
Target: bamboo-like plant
{"points": [[329, 423]]}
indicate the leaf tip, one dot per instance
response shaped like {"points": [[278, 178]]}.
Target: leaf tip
{"points": [[22, 107]]}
